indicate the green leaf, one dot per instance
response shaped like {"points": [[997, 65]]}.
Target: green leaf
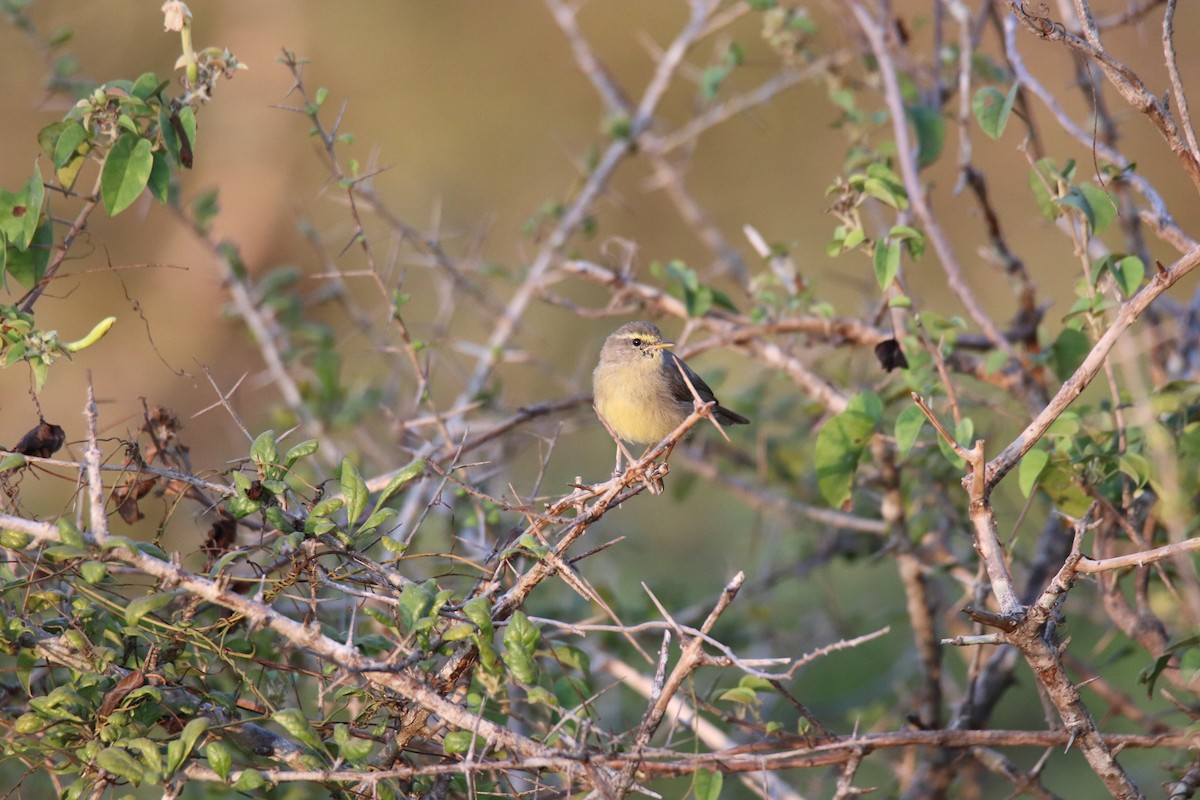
{"points": [[12, 461], [350, 748], [69, 535], [1076, 199], [521, 638], [739, 694], [867, 403], [1068, 352], [1137, 467], [1042, 173], [186, 742], [220, 757], [67, 146], [461, 741], [160, 177], [416, 600], [139, 607], [249, 780], [298, 726], [909, 423], [126, 172], [145, 86], [992, 109], [1104, 210], [931, 133], [406, 474], [1128, 273], [264, 452], [887, 262], [840, 446], [964, 433], [706, 785], [187, 121], [21, 211], [892, 194], [354, 489], [93, 572], [29, 266], [117, 761], [1031, 468], [297, 452], [479, 611]]}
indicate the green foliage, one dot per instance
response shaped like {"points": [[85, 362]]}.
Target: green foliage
{"points": [[992, 108], [685, 284], [931, 133], [841, 445]]}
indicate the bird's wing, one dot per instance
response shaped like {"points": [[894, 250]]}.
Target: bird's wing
{"points": [[679, 389]]}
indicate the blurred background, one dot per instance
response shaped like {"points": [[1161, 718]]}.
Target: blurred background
{"points": [[476, 117]]}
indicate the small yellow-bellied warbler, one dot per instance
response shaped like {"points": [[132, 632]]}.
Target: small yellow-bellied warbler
{"points": [[640, 391]]}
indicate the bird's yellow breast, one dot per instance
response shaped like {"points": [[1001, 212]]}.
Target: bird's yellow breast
{"points": [[633, 397]]}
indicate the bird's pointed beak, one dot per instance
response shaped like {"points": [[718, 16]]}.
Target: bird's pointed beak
{"points": [[662, 345]]}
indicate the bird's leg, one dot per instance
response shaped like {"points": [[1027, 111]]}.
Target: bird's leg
{"points": [[620, 445]]}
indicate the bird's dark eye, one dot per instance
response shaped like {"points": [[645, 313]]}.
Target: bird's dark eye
{"points": [[637, 342]]}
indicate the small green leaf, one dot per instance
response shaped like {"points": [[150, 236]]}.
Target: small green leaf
{"points": [[145, 86], [840, 445], [298, 726], [1128, 273], [179, 749], [160, 177], [1031, 468], [1068, 352], [12, 461], [219, 756], [479, 611], [739, 694], [886, 192], [264, 452], [1039, 176], [354, 489], [139, 607], [117, 761], [931, 133], [1104, 210], [93, 572], [406, 474], [992, 109], [21, 211], [350, 748], [28, 266], [887, 262], [125, 173], [867, 403], [1074, 198], [187, 122], [416, 600], [521, 638], [69, 535], [297, 452], [68, 144], [1137, 467], [249, 780], [909, 423], [461, 741], [706, 785]]}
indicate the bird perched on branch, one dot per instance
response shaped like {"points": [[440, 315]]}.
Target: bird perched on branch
{"points": [[643, 391]]}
